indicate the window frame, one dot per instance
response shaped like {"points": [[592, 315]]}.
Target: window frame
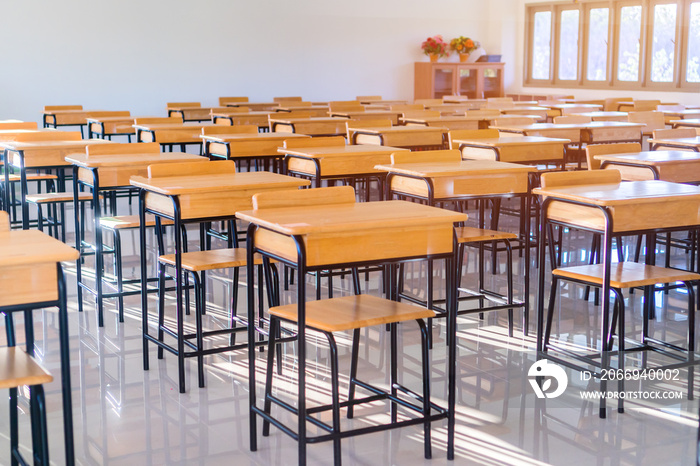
{"points": [[679, 82]]}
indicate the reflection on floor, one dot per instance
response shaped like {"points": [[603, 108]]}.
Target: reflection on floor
{"points": [[124, 415]]}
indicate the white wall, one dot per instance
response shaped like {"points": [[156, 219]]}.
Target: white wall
{"points": [[139, 54], [686, 98]]}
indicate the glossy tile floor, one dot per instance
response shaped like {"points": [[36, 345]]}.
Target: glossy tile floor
{"points": [[127, 416]]}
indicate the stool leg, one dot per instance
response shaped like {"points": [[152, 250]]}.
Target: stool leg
{"points": [[161, 307], [40, 438], [550, 312], [234, 305], [335, 398], [353, 371], [274, 326], [427, 437], [393, 350], [119, 273], [691, 336], [199, 300], [620, 309], [14, 427], [509, 279]]}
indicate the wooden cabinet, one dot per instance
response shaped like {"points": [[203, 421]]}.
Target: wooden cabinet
{"points": [[474, 80]]}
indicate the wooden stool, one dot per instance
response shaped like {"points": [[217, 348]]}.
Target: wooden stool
{"points": [[625, 275], [478, 237], [116, 225], [17, 369], [52, 200], [354, 313], [8, 201], [197, 263]]}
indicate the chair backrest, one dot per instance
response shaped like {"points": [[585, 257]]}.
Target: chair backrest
{"points": [[602, 149], [4, 222], [674, 133], [109, 113], [18, 125], [346, 106], [305, 197], [486, 112], [226, 100], [287, 99], [645, 105], [421, 114], [49, 108], [471, 134], [123, 148], [157, 120], [571, 119], [427, 102], [170, 105], [163, 170], [407, 156], [235, 129], [651, 119], [612, 104], [406, 107], [558, 179], [368, 97], [48, 136], [513, 121], [332, 141]]}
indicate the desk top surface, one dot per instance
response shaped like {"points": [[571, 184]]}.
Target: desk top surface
{"points": [[339, 151], [172, 126], [604, 114], [272, 135], [372, 112], [512, 141], [572, 105], [654, 157], [690, 142], [176, 185], [459, 168], [132, 160], [79, 144], [627, 192], [349, 217], [554, 126], [26, 247], [280, 118], [110, 119], [687, 122], [400, 129]]}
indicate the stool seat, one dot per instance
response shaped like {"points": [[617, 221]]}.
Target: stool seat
{"points": [[477, 235], [626, 274], [198, 261], [48, 198], [124, 222], [38, 177], [17, 368], [352, 312]]}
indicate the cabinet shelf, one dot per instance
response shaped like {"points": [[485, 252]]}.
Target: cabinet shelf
{"points": [[474, 80]]}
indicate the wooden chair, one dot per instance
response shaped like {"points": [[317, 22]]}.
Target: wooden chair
{"points": [[652, 120], [571, 119], [332, 141], [349, 313], [602, 149], [471, 134], [19, 369], [231, 100]]}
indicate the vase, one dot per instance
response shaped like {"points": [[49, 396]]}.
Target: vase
{"points": [[463, 57], [433, 57]]}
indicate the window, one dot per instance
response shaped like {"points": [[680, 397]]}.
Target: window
{"points": [[624, 44]]}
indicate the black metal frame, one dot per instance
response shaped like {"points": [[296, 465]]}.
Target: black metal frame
{"points": [[301, 410], [102, 134], [47, 124]]}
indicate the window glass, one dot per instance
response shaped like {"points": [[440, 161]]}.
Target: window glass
{"points": [[542, 45], [663, 43], [693, 69], [597, 60], [568, 44], [630, 40]]}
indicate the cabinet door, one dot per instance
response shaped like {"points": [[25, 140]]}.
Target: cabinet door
{"points": [[443, 81], [467, 82], [493, 82]]}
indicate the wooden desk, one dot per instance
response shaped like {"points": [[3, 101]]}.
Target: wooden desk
{"points": [[596, 132], [314, 126], [526, 110], [240, 147], [30, 266], [170, 134], [56, 118], [192, 113], [464, 100], [675, 166], [690, 114], [606, 116], [196, 199], [529, 150], [259, 119], [561, 107], [382, 102], [106, 173], [686, 123], [339, 162], [255, 106], [349, 235], [449, 122], [407, 137], [676, 143], [450, 109], [392, 115], [40, 155], [314, 110], [106, 127]]}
